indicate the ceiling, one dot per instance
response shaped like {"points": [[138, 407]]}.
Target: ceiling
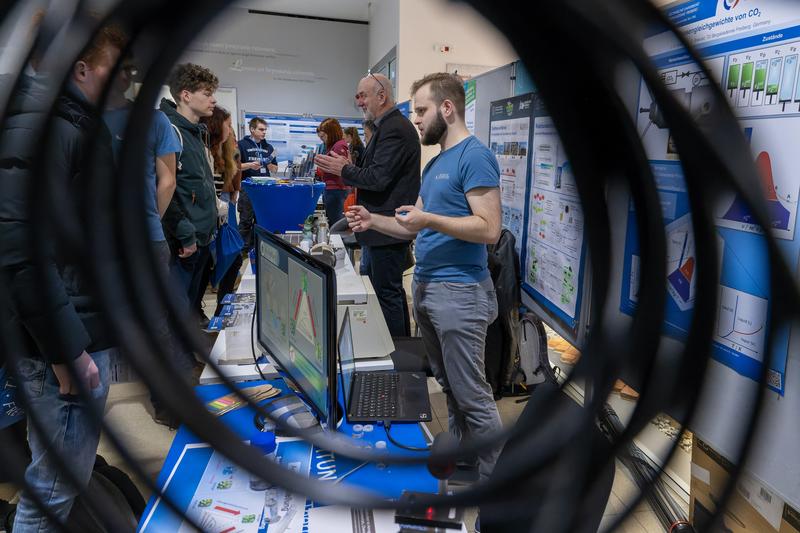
{"points": [[340, 9]]}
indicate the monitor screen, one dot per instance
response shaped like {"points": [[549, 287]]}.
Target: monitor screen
{"points": [[347, 358], [296, 318]]}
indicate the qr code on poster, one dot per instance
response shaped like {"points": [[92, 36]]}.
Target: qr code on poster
{"points": [[774, 379]]}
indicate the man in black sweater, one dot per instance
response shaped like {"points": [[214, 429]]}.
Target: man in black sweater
{"points": [[387, 178]]}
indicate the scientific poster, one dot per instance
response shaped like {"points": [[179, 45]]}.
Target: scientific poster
{"points": [[554, 249], [293, 135], [470, 88], [509, 138], [751, 50]]}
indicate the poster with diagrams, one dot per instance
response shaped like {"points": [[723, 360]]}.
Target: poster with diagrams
{"points": [[509, 137], [554, 236], [756, 64]]}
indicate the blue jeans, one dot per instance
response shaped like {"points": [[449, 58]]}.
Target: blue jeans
{"points": [[333, 199], [363, 268], [71, 432], [453, 319]]}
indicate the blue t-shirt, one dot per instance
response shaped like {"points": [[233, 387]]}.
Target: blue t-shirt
{"points": [[161, 140], [446, 181], [262, 152]]}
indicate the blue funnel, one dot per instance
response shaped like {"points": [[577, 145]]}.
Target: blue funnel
{"points": [[282, 207]]}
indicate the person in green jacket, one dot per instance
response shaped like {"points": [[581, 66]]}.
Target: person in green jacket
{"points": [[190, 220]]}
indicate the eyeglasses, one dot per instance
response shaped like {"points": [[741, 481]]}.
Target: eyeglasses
{"points": [[376, 79], [359, 96]]}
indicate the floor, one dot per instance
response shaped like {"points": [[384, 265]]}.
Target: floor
{"points": [[128, 414]]}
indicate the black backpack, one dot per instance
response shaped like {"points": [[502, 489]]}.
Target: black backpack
{"points": [[110, 489]]}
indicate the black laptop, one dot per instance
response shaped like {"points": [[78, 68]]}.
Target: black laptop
{"points": [[380, 395]]}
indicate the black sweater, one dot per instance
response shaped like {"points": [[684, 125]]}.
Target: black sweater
{"points": [[389, 173], [51, 312]]}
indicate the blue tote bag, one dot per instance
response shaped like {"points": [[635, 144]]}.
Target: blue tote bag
{"points": [[227, 246]]}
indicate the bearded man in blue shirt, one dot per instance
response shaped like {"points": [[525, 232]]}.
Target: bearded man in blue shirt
{"points": [[456, 215]]}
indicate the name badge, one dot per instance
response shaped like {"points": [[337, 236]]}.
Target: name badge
{"points": [[263, 170]]}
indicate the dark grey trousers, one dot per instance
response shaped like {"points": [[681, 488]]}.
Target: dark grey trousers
{"points": [[453, 318]]}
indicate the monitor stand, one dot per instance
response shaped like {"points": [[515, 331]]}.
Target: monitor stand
{"points": [[292, 410]]}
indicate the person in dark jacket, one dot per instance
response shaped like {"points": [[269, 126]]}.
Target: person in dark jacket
{"points": [[258, 159], [387, 178], [50, 312], [191, 218]]}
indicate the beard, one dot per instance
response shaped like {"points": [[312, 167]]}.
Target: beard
{"points": [[434, 133]]}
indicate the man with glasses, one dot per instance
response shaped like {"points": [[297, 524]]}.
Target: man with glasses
{"points": [[387, 178], [258, 160]]}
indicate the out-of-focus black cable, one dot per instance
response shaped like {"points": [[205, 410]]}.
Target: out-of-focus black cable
{"points": [[604, 149]]}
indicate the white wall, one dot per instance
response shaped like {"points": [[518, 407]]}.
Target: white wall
{"points": [[427, 23], [283, 64], [384, 29], [424, 24]]}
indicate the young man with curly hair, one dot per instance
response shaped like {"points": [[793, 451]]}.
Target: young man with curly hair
{"points": [[190, 220]]}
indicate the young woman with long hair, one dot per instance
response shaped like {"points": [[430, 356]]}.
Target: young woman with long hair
{"points": [[331, 134]]}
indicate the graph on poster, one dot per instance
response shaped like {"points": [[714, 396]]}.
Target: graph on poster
{"points": [[776, 163], [741, 322], [681, 262]]}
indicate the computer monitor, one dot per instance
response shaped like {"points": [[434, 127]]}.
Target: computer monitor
{"points": [[296, 320]]}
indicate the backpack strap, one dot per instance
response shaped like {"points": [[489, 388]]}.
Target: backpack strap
{"points": [[180, 138]]}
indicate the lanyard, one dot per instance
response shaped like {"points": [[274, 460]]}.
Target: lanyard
{"points": [[260, 151]]}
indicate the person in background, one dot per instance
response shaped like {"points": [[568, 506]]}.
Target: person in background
{"points": [[456, 215], [354, 144], [160, 169], [69, 327], [226, 170], [224, 153], [232, 183], [331, 134], [259, 159], [363, 266], [369, 130], [190, 222]]}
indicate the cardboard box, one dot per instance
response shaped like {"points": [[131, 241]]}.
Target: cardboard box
{"points": [[753, 508]]}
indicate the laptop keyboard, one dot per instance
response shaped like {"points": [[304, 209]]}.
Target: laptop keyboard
{"points": [[378, 398]]}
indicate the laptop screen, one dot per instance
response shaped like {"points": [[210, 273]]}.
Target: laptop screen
{"points": [[346, 357]]}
